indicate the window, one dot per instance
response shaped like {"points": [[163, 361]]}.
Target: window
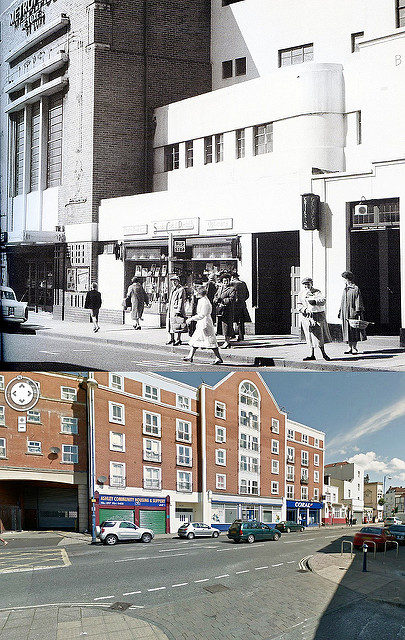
{"points": [[152, 450], [290, 473], [304, 458], [304, 438], [116, 412], [220, 481], [274, 487], [68, 393], [249, 486], [68, 425], [316, 493], [263, 138], [290, 434], [355, 40], [249, 419], [295, 55], [183, 430], [227, 69], [220, 434], [116, 381], [240, 67], [152, 478], [290, 492], [152, 424], [55, 129], [152, 393], [34, 447], [240, 143], [249, 395], [33, 416], [182, 402], [171, 152], [316, 442], [400, 13], [275, 466], [290, 454], [220, 410], [184, 481], [275, 425], [249, 464], [117, 441], [2, 416], [304, 493], [188, 154], [70, 453], [18, 125], [304, 474], [34, 150], [184, 455], [1, 383], [219, 147], [316, 459], [3, 451], [117, 474], [208, 150], [316, 476], [274, 446], [220, 456]]}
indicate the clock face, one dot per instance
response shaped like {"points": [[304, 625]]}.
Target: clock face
{"points": [[22, 393]]}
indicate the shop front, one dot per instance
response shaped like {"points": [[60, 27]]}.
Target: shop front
{"points": [[224, 510], [150, 512], [306, 513]]}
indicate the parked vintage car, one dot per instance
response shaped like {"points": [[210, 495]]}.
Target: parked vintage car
{"points": [[112, 531], [289, 525], [368, 535], [11, 310], [252, 531]]}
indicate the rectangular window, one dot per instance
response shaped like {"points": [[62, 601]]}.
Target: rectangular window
{"points": [[18, 124], [290, 434], [183, 430], [290, 473], [274, 488], [34, 416], [152, 450], [117, 441], [249, 464], [220, 481], [240, 67], [316, 476], [274, 446], [34, 150], [68, 393], [290, 454], [304, 474], [304, 458], [152, 478], [263, 138], [189, 153], [240, 143], [116, 412], [184, 455], [207, 149], [249, 419], [116, 382], [171, 157], [33, 446], [316, 493], [275, 466], [68, 425], [316, 459], [184, 481], [152, 424], [295, 55], [249, 487], [355, 40], [220, 410], [275, 425], [304, 438], [400, 13], [55, 131], [220, 456], [316, 442], [152, 393], [219, 147], [2, 416], [304, 493], [220, 434], [227, 71], [1, 383], [70, 453], [290, 492], [183, 402], [117, 474], [3, 451]]}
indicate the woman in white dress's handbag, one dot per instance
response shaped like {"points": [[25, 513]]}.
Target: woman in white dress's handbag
{"points": [[204, 334]]}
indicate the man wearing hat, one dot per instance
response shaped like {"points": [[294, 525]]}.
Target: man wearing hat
{"points": [[311, 305], [176, 314]]}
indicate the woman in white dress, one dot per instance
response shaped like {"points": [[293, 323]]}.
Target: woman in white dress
{"points": [[204, 334]]}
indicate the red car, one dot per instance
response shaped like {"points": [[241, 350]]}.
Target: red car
{"points": [[379, 535]]}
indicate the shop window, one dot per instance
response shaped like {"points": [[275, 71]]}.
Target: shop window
{"points": [[2, 416], [290, 492], [3, 450], [207, 149], [117, 441], [152, 393], [219, 147], [220, 434], [240, 66], [220, 457], [116, 381], [116, 412], [171, 153], [275, 425], [55, 130], [183, 402], [184, 455], [400, 13], [68, 393], [295, 55], [356, 37], [220, 410], [275, 465], [152, 424], [240, 143], [184, 481], [35, 447], [152, 450], [220, 481], [227, 66], [34, 147], [70, 453], [68, 424], [274, 488], [117, 474], [183, 430], [189, 152], [34, 416]]}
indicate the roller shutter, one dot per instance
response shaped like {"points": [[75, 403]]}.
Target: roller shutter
{"points": [[116, 514], [155, 520]]}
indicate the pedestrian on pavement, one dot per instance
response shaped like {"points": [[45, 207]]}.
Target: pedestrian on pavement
{"points": [[351, 308], [311, 306], [93, 302], [204, 334], [211, 291], [224, 300], [241, 313], [176, 313], [137, 297]]}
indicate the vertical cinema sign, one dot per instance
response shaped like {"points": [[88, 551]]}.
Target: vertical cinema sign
{"points": [[29, 15]]}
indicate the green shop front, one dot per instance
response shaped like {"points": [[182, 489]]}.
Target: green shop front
{"points": [[150, 512]]}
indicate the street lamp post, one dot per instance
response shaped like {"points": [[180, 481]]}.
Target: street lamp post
{"points": [[91, 385], [384, 507]]}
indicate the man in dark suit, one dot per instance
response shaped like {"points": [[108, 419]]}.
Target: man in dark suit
{"points": [[93, 302], [241, 314]]}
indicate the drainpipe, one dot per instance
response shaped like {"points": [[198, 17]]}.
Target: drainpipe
{"points": [[91, 386], [203, 452]]}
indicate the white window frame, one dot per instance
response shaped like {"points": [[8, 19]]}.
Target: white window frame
{"points": [[217, 459], [148, 392], [218, 437], [275, 449], [316, 459], [179, 482], [316, 442], [180, 435], [1, 383], [304, 458], [155, 456], [316, 493], [316, 475], [153, 480], [3, 448], [290, 434], [122, 466], [68, 420], [304, 493], [183, 456], [34, 444], [2, 416], [218, 485], [290, 457], [304, 473], [69, 394], [116, 385], [290, 473], [111, 417], [304, 438], [183, 402], [158, 426], [290, 492], [114, 447], [275, 425], [275, 466], [30, 414], [71, 451], [274, 487], [220, 406]]}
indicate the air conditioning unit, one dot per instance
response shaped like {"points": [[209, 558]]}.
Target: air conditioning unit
{"points": [[360, 209]]}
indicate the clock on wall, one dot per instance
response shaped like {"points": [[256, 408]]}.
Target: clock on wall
{"points": [[22, 393]]}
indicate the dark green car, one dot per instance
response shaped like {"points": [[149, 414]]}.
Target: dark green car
{"points": [[289, 525], [252, 531]]}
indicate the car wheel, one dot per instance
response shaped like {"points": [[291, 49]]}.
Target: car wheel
{"points": [[251, 538], [111, 539], [146, 537], [190, 535], [288, 530], [215, 534], [276, 536]]}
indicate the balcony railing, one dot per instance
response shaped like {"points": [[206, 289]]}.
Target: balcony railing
{"points": [[118, 481], [148, 483], [304, 463], [290, 459], [185, 487], [290, 478], [304, 480], [152, 456]]}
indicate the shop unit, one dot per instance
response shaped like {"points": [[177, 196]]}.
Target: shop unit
{"points": [[350, 478]]}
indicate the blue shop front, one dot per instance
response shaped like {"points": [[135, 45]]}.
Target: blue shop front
{"points": [[306, 513], [226, 509], [150, 512]]}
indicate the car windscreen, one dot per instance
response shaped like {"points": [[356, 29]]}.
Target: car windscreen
{"points": [[374, 530]]}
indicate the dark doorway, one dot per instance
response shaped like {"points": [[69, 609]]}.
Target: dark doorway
{"points": [[31, 274], [375, 261], [273, 256]]}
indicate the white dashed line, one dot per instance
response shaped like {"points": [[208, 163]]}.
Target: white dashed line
{"points": [[104, 598], [131, 593], [137, 606], [203, 580], [174, 555], [224, 575], [290, 541], [245, 571], [277, 565], [180, 584], [291, 562], [157, 589], [258, 568], [50, 353]]}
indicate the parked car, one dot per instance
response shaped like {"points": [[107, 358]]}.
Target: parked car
{"points": [[379, 535], [10, 309], [196, 530], [252, 531], [289, 525], [391, 520], [398, 531], [112, 531]]}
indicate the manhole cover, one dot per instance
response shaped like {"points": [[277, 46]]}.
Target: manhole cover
{"points": [[120, 606], [216, 588]]}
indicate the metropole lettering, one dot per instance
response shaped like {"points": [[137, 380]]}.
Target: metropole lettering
{"points": [[29, 15]]}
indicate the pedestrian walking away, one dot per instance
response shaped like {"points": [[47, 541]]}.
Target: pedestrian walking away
{"points": [[137, 299], [93, 302], [311, 306], [224, 300], [204, 334], [241, 313], [350, 313], [176, 313]]}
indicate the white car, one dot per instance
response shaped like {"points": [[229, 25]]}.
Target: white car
{"points": [[192, 530], [112, 531], [392, 520], [11, 309]]}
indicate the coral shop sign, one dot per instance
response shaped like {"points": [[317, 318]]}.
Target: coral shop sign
{"points": [[29, 15]]}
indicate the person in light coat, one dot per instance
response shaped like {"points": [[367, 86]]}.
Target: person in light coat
{"points": [[176, 312], [311, 306], [139, 298], [204, 335]]}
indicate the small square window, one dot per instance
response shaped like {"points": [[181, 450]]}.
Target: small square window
{"points": [[152, 424], [152, 450], [183, 430], [184, 481], [68, 425], [116, 381], [274, 488], [240, 67], [183, 402], [152, 393], [34, 416], [116, 412], [33, 446], [304, 438], [220, 410], [220, 457], [220, 482], [70, 453], [220, 434], [263, 138], [227, 69], [117, 441], [290, 434], [68, 393]]}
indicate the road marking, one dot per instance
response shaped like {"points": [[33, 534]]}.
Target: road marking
{"points": [[51, 353], [79, 350], [245, 571], [331, 536], [277, 565], [15, 562], [258, 568], [290, 541], [224, 575], [137, 606], [104, 598], [157, 589], [291, 562], [131, 593], [302, 563], [203, 580], [308, 539], [180, 584], [151, 557]]}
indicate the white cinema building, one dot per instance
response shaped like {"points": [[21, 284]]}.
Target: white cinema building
{"points": [[308, 98]]}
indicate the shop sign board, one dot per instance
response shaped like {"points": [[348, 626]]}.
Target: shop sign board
{"points": [[189, 225], [303, 504], [43, 236], [131, 501], [136, 230], [29, 15], [219, 224]]}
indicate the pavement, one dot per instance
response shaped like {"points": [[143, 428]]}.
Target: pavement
{"points": [[377, 353]]}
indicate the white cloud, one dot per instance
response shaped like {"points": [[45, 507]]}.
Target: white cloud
{"points": [[371, 462]]}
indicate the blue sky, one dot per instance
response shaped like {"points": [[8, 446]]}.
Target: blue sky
{"points": [[362, 414]]}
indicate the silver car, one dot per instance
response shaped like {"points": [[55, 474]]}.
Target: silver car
{"points": [[112, 531], [196, 529], [10, 309]]}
